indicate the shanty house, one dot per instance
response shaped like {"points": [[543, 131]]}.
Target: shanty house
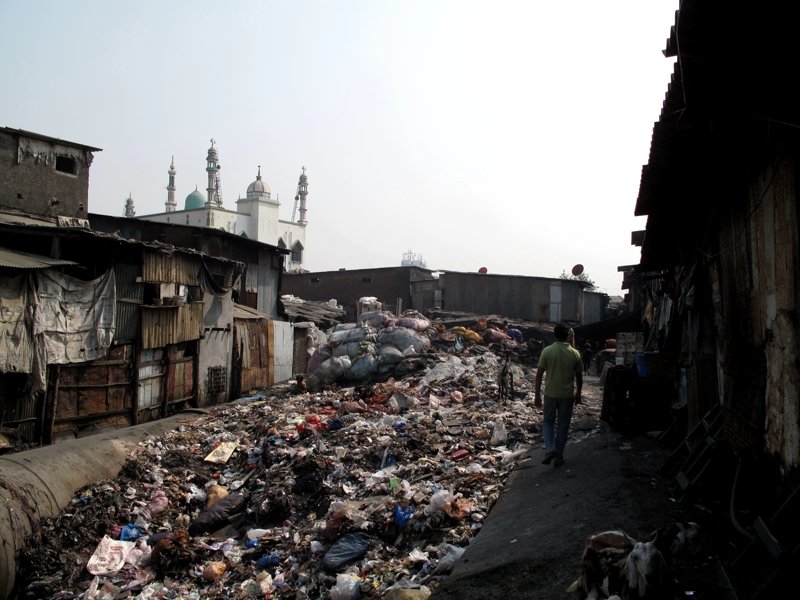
{"points": [[112, 332], [720, 259], [45, 175]]}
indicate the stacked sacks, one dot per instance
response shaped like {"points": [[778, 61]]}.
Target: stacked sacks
{"points": [[375, 345]]}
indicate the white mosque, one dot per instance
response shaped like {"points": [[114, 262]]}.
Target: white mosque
{"points": [[255, 217]]}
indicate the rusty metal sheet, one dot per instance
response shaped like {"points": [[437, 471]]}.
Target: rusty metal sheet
{"points": [[170, 268], [14, 259], [165, 325], [151, 373]]}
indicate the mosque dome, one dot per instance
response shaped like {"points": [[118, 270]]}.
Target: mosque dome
{"points": [[195, 200], [258, 187]]}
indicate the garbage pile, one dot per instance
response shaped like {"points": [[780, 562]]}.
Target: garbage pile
{"points": [[376, 345], [367, 491]]}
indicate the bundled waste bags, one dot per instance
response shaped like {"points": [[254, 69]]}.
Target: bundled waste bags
{"points": [[356, 352]]}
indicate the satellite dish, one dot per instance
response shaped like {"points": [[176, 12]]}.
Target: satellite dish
{"points": [[577, 270], [483, 270]]}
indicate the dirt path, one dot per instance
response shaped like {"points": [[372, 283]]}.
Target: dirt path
{"points": [[531, 544]]}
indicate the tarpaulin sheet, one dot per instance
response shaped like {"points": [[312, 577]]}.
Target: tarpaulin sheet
{"points": [[16, 348], [74, 318], [218, 309]]}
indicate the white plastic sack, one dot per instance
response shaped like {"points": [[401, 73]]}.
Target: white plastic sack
{"points": [[499, 434], [362, 367], [354, 334], [347, 587], [416, 323], [403, 338], [328, 372], [375, 318], [445, 371]]}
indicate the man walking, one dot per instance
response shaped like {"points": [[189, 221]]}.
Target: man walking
{"points": [[564, 368]]}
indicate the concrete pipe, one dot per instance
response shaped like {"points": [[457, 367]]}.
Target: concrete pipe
{"points": [[40, 483]]}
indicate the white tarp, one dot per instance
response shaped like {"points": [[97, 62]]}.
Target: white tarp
{"points": [[16, 349], [75, 319]]}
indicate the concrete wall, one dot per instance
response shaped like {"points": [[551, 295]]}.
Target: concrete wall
{"points": [[385, 284], [43, 177], [756, 313]]}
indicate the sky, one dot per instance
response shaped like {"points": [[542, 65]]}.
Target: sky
{"points": [[505, 134]]}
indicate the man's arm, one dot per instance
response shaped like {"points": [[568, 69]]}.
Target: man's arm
{"points": [[537, 399], [578, 385]]}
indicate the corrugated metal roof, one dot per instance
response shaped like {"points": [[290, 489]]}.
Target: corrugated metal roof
{"points": [[15, 259], [47, 138], [240, 311]]}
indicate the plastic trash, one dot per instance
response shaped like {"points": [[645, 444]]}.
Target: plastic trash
{"points": [[402, 515], [347, 587], [450, 555], [403, 338], [438, 501], [109, 556], [254, 534], [213, 571], [499, 434], [158, 503], [130, 533], [268, 560], [218, 515], [347, 549]]}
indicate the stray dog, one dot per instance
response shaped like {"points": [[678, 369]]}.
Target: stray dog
{"points": [[506, 378], [603, 565]]}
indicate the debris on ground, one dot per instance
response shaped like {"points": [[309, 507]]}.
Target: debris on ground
{"points": [[315, 488]]}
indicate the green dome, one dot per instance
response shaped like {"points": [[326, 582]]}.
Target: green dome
{"points": [[195, 200]]}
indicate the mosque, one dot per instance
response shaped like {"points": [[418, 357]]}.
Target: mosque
{"points": [[255, 217]]}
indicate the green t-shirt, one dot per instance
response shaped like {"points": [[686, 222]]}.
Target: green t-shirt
{"points": [[560, 362]]}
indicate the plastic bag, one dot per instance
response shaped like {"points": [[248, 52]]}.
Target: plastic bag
{"points": [[109, 556], [362, 368], [417, 324], [347, 587], [403, 338], [328, 372], [374, 318], [218, 515], [402, 515], [346, 550], [499, 434], [356, 334], [320, 355]]}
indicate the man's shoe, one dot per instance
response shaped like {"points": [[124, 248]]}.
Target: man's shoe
{"points": [[548, 458], [559, 460]]}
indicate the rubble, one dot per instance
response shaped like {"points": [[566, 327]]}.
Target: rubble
{"points": [[346, 490]]}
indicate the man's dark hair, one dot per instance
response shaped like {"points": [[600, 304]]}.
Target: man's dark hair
{"points": [[561, 332]]}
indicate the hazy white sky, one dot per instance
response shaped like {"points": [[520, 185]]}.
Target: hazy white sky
{"points": [[508, 134]]}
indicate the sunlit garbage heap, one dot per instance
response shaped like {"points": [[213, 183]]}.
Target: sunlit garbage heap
{"points": [[368, 491]]}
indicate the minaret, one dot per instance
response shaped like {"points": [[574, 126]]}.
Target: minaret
{"points": [[302, 192], [212, 168], [130, 212], [170, 203]]}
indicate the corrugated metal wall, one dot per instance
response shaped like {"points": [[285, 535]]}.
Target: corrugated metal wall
{"points": [[281, 349], [253, 348], [512, 296], [130, 294], [164, 325], [170, 268]]}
